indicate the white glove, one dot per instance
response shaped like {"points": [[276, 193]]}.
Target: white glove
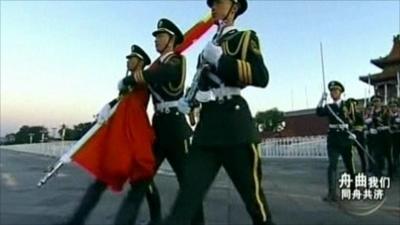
{"points": [[373, 131], [352, 136], [323, 99], [368, 120], [121, 85], [212, 53], [104, 113], [397, 120], [183, 106]]}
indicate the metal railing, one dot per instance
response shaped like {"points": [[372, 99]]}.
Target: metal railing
{"points": [[295, 147]]}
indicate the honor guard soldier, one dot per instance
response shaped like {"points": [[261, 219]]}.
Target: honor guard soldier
{"points": [[356, 117], [226, 135], [338, 141], [379, 137], [394, 123], [137, 60], [165, 80]]}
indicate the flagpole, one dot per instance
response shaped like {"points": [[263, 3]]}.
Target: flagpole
{"points": [[398, 84]]}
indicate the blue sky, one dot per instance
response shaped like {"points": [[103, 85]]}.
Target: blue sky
{"points": [[61, 61]]}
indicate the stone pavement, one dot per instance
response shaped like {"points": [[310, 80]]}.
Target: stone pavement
{"points": [[293, 188]]}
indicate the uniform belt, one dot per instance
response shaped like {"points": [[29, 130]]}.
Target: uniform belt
{"points": [[166, 106], [339, 126], [383, 128], [358, 128], [225, 92]]}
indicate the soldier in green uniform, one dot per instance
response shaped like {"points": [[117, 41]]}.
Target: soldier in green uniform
{"points": [[137, 60], [356, 117], [226, 135], [379, 137], [338, 141], [165, 80], [394, 123]]}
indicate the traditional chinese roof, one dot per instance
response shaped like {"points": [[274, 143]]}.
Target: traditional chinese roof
{"points": [[388, 73], [392, 58]]}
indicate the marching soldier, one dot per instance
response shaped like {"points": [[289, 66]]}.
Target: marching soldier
{"points": [[394, 123], [379, 137], [338, 141], [226, 135], [356, 117], [165, 80], [137, 60]]}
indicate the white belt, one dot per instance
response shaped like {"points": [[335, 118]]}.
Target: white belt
{"points": [[166, 106], [225, 92], [339, 126], [383, 128]]}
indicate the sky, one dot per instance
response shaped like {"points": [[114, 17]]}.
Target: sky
{"points": [[61, 60]]}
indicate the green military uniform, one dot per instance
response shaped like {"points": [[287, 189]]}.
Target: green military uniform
{"points": [[165, 79], [379, 138], [98, 187], [357, 120], [338, 141], [226, 135]]}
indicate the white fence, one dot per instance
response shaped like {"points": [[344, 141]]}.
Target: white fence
{"points": [[54, 149], [295, 147]]}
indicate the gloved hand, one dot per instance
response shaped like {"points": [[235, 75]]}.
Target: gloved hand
{"points": [[352, 136], [368, 120], [104, 113], [183, 106], [397, 120], [212, 53], [121, 85], [323, 99]]}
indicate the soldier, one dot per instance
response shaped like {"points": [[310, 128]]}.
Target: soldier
{"points": [[394, 123], [379, 137], [338, 141], [356, 117], [226, 135], [165, 80], [137, 60]]}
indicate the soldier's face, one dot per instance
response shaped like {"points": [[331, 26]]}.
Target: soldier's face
{"points": [[335, 93], [132, 63], [162, 40], [220, 9]]}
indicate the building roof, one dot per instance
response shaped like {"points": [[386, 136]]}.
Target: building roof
{"points": [[392, 58], [388, 73]]}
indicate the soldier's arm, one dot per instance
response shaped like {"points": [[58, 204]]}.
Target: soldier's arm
{"points": [[249, 71], [167, 72], [322, 111]]}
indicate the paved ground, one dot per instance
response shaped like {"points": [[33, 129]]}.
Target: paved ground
{"points": [[293, 188]]}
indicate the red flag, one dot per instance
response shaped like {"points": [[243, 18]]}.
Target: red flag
{"points": [[194, 33], [122, 148]]}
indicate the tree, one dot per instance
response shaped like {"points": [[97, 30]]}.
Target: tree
{"points": [[270, 120], [76, 133], [35, 133]]}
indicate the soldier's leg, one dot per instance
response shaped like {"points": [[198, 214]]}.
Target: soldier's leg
{"points": [[387, 151], [154, 203], [243, 165], [177, 156], [361, 153], [130, 206], [347, 156], [152, 193], [396, 151], [333, 156], [379, 155], [89, 201], [201, 167], [129, 209]]}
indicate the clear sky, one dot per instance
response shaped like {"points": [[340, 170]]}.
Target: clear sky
{"points": [[61, 60]]}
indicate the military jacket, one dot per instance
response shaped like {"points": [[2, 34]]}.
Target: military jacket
{"points": [[229, 121], [166, 80], [336, 136]]}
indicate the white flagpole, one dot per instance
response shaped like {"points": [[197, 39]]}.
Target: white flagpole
{"points": [[386, 94]]}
